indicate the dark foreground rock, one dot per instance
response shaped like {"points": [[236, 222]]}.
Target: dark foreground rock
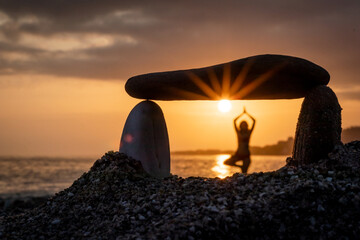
{"points": [[257, 77], [116, 199], [145, 137], [15, 205], [318, 129]]}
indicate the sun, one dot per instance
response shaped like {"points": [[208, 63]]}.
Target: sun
{"points": [[224, 105]]}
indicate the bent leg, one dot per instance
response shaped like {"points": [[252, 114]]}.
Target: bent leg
{"points": [[246, 164], [231, 161]]}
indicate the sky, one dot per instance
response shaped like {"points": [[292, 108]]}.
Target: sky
{"points": [[64, 64]]}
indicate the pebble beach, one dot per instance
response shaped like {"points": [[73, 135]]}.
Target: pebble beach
{"points": [[117, 199]]}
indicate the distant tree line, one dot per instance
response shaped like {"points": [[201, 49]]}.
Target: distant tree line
{"points": [[350, 134], [279, 148]]}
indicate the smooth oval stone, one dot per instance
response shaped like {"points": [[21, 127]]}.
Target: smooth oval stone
{"points": [[145, 138], [256, 77]]}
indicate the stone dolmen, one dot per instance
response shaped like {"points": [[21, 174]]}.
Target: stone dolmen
{"points": [[259, 77]]}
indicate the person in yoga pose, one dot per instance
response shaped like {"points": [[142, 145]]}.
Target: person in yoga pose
{"points": [[243, 136]]}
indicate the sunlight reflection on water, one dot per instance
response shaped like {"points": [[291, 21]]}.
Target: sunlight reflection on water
{"points": [[212, 165], [220, 169]]}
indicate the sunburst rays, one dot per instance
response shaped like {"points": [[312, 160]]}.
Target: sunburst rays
{"points": [[207, 90], [226, 88]]}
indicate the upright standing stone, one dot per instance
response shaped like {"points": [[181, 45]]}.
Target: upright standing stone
{"points": [[145, 138], [319, 126]]}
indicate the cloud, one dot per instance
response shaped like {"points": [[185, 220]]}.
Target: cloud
{"points": [[73, 41], [3, 18], [126, 17], [15, 56], [118, 39], [352, 95], [348, 93]]}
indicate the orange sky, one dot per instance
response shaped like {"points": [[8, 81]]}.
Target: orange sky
{"points": [[67, 117], [63, 66]]}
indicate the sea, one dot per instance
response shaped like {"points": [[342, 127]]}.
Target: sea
{"points": [[42, 176]]}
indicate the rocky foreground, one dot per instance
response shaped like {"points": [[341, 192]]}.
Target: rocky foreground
{"points": [[116, 199]]}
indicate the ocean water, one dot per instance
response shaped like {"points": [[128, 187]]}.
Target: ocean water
{"points": [[213, 166], [38, 176]]}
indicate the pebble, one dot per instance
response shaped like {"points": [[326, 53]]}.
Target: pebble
{"points": [[137, 206], [213, 209], [320, 208], [56, 221], [312, 220], [329, 179]]}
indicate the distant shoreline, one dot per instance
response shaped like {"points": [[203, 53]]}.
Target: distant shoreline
{"points": [[279, 148], [201, 152], [214, 151]]}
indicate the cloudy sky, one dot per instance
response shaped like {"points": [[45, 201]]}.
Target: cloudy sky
{"points": [[63, 65]]}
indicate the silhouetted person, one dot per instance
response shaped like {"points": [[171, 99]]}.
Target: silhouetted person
{"points": [[243, 136]]}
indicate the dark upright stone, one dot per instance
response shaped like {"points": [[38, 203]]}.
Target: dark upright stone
{"points": [[319, 126], [145, 138], [257, 77]]}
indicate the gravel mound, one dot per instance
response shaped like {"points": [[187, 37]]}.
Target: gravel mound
{"points": [[15, 205], [116, 199]]}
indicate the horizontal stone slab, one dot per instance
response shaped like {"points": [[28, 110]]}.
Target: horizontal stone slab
{"points": [[256, 77]]}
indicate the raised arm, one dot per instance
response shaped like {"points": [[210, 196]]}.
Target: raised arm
{"points": [[235, 119], [253, 124]]}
